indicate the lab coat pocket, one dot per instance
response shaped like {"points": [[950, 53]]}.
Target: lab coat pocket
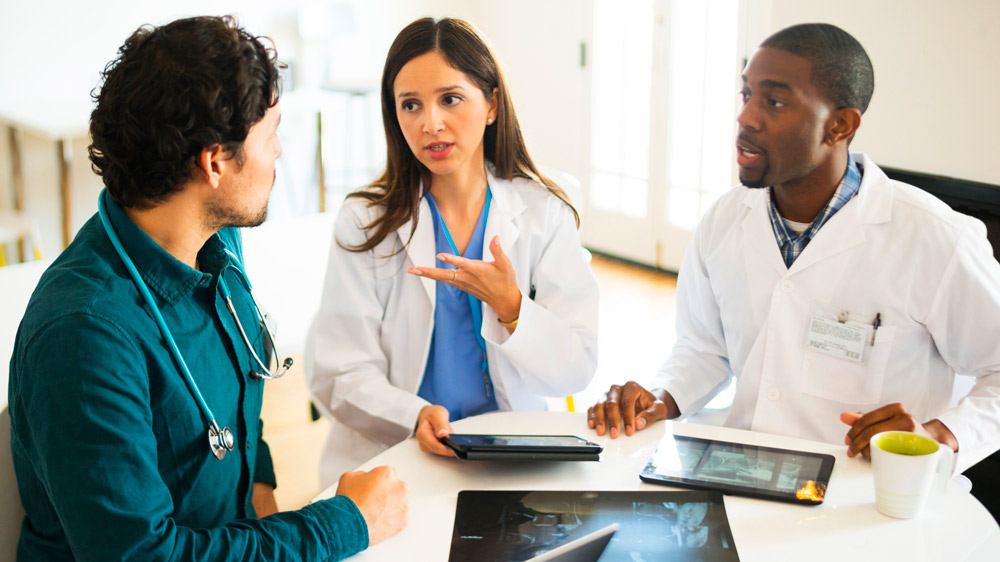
{"points": [[849, 383]]}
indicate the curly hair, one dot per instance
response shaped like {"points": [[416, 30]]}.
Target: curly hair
{"points": [[173, 91]]}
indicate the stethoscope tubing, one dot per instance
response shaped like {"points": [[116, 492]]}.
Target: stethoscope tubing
{"points": [[157, 317], [220, 440], [264, 373]]}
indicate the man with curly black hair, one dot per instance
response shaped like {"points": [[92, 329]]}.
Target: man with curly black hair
{"points": [[144, 333]]}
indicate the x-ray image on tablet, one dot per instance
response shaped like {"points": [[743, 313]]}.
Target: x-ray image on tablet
{"points": [[507, 526], [736, 468]]}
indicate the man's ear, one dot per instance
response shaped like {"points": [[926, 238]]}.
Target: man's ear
{"points": [[211, 162], [844, 123]]}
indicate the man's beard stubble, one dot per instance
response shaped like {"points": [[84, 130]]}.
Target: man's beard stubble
{"points": [[758, 183], [222, 217]]}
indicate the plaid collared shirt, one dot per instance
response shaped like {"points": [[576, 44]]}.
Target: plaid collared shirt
{"points": [[791, 244]]}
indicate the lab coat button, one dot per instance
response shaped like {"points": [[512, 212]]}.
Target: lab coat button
{"points": [[773, 393], [787, 286]]}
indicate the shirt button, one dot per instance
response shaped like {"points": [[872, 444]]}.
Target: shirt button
{"points": [[773, 393], [204, 281], [787, 286]]}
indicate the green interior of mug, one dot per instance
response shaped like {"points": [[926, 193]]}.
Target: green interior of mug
{"points": [[905, 443]]}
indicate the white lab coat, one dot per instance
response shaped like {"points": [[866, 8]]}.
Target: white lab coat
{"points": [[370, 340], [893, 250]]}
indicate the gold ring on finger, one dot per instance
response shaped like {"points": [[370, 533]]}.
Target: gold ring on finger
{"points": [[454, 275]]}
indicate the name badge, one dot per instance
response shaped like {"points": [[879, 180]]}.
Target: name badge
{"points": [[840, 339]]}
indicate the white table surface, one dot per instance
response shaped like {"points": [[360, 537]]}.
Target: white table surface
{"points": [[953, 526]]}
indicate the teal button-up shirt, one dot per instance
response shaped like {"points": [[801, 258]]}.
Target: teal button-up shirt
{"points": [[109, 445]]}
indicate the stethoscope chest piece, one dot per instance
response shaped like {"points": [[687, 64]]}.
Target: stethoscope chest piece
{"points": [[220, 441]]}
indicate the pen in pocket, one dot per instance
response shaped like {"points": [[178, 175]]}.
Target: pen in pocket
{"points": [[875, 325]]}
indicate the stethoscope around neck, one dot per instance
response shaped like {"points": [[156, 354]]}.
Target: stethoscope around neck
{"points": [[220, 440]]}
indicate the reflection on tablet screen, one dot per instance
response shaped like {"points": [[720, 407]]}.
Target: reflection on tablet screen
{"points": [[507, 526], [587, 548], [732, 467]]}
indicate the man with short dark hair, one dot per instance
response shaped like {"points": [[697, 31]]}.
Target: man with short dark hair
{"points": [[827, 290], [138, 369]]}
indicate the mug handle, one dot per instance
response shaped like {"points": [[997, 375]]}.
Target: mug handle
{"points": [[946, 465]]}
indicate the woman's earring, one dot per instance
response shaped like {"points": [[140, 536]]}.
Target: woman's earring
{"points": [[489, 121]]}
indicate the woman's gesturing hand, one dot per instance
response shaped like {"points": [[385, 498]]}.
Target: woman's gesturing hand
{"points": [[492, 282]]}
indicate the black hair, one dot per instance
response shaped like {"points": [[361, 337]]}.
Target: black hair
{"points": [[841, 68], [171, 92]]}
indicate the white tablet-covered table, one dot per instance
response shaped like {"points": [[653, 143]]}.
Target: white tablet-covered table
{"points": [[846, 526]]}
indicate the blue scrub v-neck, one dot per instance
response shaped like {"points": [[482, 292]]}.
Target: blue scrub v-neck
{"points": [[456, 375]]}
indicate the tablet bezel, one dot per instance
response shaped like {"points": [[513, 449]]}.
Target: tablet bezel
{"points": [[584, 447], [822, 480]]}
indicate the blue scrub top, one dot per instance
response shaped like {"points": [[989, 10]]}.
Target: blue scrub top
{"points": [[456, 375]]}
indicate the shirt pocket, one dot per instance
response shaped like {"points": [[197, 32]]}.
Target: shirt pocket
{"points": [[846, 382]]}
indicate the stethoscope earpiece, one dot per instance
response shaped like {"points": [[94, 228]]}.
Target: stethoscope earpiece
{"points": [[266, 376]]}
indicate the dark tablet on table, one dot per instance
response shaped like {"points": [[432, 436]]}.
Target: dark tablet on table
{"points": [[736, 468], [508, 525], [522, 447]]}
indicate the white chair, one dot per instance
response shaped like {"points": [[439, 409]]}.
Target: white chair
{"points": [[569, 183], [286, 262], [574, 190], [15, 227], [16, 285]]}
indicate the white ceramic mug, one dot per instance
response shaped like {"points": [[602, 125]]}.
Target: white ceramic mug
{"points": [[904, 465]]}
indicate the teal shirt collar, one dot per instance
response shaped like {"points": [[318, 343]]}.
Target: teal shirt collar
{"points": [[167, 277]]}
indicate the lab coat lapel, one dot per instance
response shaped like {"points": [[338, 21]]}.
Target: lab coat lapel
{"points": [[846, 229], [842, 232], [422, 248], [506, 206], [758, 232]]}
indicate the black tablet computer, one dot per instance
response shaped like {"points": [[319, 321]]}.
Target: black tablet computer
{"points": [[735, 468], [522, 447], [512, 525]]}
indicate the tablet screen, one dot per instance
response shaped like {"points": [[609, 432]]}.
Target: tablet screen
{"points": [[735, 468], [502, 526]]}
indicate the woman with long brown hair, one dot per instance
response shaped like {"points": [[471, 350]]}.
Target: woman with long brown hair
{"points": [[456, 283]]}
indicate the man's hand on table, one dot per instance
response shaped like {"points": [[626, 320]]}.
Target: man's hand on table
{"points": [[381, 499], [631, 406], [893, 417]]}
